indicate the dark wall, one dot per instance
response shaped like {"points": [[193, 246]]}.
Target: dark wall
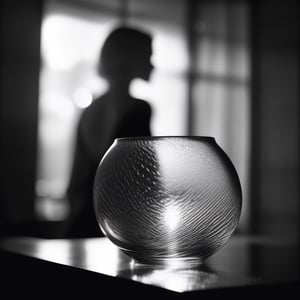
{"points": [[275, 112], [20, 65]]}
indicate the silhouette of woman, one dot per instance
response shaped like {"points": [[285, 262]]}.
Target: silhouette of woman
{"points": [[125, 55]]}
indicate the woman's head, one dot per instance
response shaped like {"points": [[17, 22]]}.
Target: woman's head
{"points": [[126, 54]]}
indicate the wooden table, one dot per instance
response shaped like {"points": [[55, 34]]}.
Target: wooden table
{"points": [[246, 266]]}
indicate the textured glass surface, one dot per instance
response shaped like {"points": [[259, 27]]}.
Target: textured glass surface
{"points": [[167, 199]]}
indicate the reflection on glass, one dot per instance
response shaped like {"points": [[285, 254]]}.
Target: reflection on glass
{"points": [[174, 278], [172, 217], [94, 252], [54, 250]]}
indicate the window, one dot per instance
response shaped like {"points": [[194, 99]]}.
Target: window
{"points": [[208, 41], [221, 85]]}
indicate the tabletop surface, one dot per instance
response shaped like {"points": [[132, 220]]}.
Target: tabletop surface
{"points": [[243, 261]]}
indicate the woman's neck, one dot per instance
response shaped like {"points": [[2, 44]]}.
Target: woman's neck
{"points": [[119, 90]]}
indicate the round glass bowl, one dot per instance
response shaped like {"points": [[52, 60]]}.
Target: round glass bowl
{"points": [[167, 199]]}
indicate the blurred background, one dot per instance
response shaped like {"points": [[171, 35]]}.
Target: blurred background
{"points": [[227, 69]]}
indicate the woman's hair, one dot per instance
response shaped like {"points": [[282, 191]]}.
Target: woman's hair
{"points": [[121, 49]]}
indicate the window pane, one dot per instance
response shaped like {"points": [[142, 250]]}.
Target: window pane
{"points": [[221, 90], [168, 85], [71, 41]]}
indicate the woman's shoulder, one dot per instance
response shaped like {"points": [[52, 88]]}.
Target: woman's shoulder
{"points": [[98, 103], [98, 106], [142, 104], [94, 114]]}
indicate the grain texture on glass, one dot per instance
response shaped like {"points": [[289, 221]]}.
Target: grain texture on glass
{"points": [[167, 199]]}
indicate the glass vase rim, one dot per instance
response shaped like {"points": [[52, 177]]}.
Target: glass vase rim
{"points": [[165, 137]]}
